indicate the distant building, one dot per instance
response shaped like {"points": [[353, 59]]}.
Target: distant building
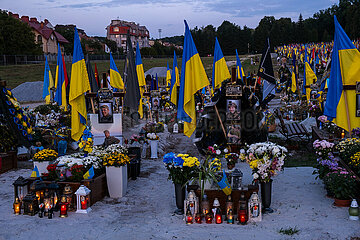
{"points": [[117, 31], [45, 34]]}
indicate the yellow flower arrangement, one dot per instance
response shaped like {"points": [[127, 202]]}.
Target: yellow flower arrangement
{"points": [[45, 155], [355, 160], [115, 159], [190, 161], [215, 164]]}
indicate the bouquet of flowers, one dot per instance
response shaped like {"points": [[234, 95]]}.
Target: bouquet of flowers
{"points": [[216, 151], [77, 172], [116, 159], [326, 165], [152, 136], [348, 147], [86, 143], [45, 155], [231, 158], [136, 139], [323, 148], [182, 167], [266, 160]]}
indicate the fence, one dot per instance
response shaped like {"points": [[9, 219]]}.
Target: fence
{"points": [[38, 59]]}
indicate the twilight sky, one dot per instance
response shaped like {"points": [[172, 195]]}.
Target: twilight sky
{"points": [[94, 15]]}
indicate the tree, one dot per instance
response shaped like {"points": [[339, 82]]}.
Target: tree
{"points": [[16, 37]]}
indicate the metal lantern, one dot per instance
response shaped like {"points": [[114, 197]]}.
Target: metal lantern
{"points": [[205, 205], [236, 179], [21, 188], [254, 208], [229, 206], [54, 194], [217, 211], [354, 211], [83, 200], [242, 210], [48, 201], [176, 128], [17, 206], [191, 203], [68, 193], [63, 207], [31, 206], [230, 217], [38, 187]]}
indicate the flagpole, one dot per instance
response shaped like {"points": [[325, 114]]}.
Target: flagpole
{"points": [[218, 115]]}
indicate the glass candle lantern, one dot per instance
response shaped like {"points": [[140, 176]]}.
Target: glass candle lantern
{"points": [[38, 188], [48, 201], [218, 217], [31, 206], [205, 206], [229, 205], [189, 217], [236, 179], [242, 210], [83, 199], [41, 210], [68, 193], [230, 217], [54, 193], [63, 207], [254, 208], [208, 218], [354, 211], [198, 218], [17, 206], [61, 171], [21, 187]]}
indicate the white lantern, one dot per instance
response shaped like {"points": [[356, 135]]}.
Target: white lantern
{"points": [[192, 204], [254, 208], [176, 128], [83, 200]]}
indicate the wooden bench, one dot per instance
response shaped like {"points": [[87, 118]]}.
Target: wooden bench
{"points": [[290, 130]]}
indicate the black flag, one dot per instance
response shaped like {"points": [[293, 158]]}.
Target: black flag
{"points": [[132, 94], [93, 83], [266, 72]]}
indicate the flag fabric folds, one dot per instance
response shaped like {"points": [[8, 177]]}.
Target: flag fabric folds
{"points": [[60, 83], [141, 78], [294, 75], [239, 70], [132, 94], [90, 173], [168, 75], [193, 78], [266, 72], [224, 184], [175, 81], [97, 75], [309, 77], [340, 104], [220, 70], [93, 83], [79, 85], [48, 83], [115, 77], [35, 172]]}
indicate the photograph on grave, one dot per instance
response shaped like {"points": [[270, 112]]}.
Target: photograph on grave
{"points": [[232, 110], [155, 105], [233, 91], [105, 113], [233, 133]]}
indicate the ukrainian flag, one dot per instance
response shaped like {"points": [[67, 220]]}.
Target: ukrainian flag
{"points": [[79, 84], [193, 78], [168, 75], [293, 75], [175, 81], [90, 173], [60, 94], [309, 78], [220, 70], [239, 70], [141, 78], [340, 104], [35, 172], [224, 184], [115, 77], [48, 82]]}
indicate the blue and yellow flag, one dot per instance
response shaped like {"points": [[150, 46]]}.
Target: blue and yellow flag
{"points": [[340, 104], [220, 70], [48, 82], [90, 173], [115, 77], [168, 76], [294, 75], [35, 172], [141, 78], [79, 85], [309, 78], [224, 184], [239, 70], [175, 81], [60, 94], [193, 78]]}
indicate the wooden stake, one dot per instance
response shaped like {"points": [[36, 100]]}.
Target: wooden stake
{"points": [[92, 105], [217, 113], [347, 112]]}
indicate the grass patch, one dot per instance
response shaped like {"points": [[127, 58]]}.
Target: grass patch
{"points": [[289, 231], [15, 75]]}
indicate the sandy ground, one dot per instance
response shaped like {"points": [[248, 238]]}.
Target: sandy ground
{"points": [[146, 212]]}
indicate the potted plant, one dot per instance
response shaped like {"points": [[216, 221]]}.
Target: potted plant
{"points": [[343, 186], [43, 158], [182, 168], [266, 160], [115, 163], [154, 141]]}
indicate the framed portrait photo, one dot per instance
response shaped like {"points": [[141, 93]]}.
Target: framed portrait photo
{"points": [[105, 112], [233, 91], [233, 133], [233, 110]]}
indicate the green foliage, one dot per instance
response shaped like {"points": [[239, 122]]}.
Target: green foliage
{"points": [[68, 33], [47, 108], [16, 37], [341, 184], [289, 231]]}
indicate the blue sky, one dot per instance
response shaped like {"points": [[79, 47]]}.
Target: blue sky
{"points": [[94, 15]]}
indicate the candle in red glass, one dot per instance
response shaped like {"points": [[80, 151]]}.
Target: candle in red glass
{"points": [[242, 216], [208, 218], [198, 218], [84, 204], [218, 217], [189, 217]]}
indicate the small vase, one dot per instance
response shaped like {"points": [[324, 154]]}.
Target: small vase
{"points": [[266, 188], [342, 203], [117, 180], [179, 198], [154, 148]]}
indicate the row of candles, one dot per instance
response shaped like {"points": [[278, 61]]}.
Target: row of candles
{"points": [[43, 199], [246, 211]]}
